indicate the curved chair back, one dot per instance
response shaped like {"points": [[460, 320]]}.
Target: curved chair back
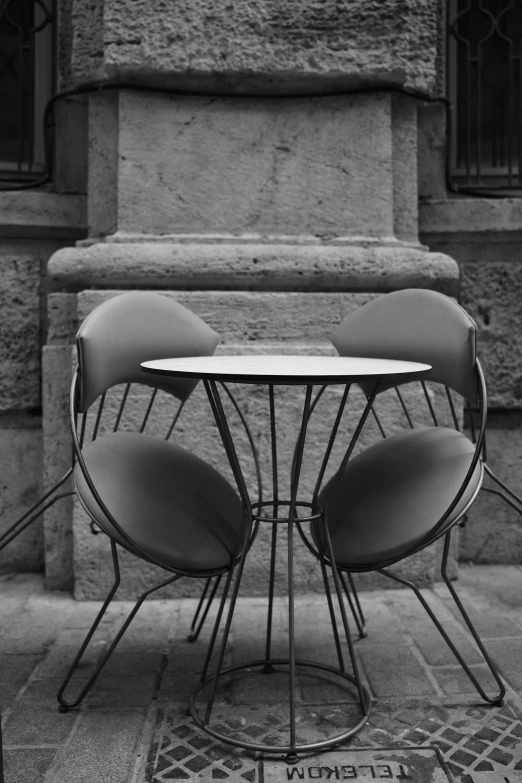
{"points": [[415, 325], [132, 328]]}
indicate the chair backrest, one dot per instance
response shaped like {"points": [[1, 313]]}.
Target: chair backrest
{"points": [[132, 328], [415, 325]]}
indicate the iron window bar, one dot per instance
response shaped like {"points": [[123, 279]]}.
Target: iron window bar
{"points": [[484, 84], [26, 84]]}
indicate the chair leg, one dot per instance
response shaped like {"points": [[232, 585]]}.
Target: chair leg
{"points": [[355, 605], [333, 619], [499, 697], [195, 630], [65, 706], [268, 667], [36, 510], [507, 494]]}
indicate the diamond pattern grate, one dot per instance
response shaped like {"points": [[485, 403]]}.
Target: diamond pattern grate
{"points": [[472, 739]]}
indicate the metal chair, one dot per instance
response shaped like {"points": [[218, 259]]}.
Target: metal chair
{"points": [[151, 496], [500, 490], [410, 489], [49, 498]]}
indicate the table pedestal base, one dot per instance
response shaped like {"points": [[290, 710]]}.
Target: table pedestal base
{"points": [[290, 751]]}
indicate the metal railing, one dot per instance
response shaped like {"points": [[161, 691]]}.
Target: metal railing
{"points": [[26, 83], [484, 70]]}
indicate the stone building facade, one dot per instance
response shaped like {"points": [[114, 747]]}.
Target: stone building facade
{"points": [[271, 165]]}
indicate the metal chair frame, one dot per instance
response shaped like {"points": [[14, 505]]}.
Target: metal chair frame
{"points": [[439, 530], [78, 430], [254, 514], [36, 510]]}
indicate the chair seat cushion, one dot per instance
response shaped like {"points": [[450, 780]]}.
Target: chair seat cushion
{"points": [[172, 504], [394, 492]]}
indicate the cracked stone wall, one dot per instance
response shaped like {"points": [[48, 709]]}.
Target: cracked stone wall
{"points": [[319, 167]]}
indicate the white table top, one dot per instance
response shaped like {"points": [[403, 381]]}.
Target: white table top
{"points": [[286, 369]]}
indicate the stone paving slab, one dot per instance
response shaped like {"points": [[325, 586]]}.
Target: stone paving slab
{"points": [[133, 726]]}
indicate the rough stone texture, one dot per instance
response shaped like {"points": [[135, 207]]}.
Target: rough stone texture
{"points": [[20, 326], [257, 45], [20, 438], [476, 218], [21, 486], [32, 226], [491, 293], [71, 145], [33, 213], [431, 153], [484, 236], [318, 166], [404, 167], [104, 748], [299, 267], [57, 366], [103, 196], [493, 530]]}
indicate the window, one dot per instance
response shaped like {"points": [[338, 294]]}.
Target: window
{"points": [[485, 89], [26, 84]]}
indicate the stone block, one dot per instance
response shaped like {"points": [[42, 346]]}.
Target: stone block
{"points": [[308, 166], [243, 316], [35, 720], [506, 654], [57, 365], [122, 693], [493, 530], [42, 214], [20, 327], [490, 294], [103, 747], [102, 211], [266, 264], [483, 235], [62, 319], [495, 590], [393, 670], [454, 681], [268, 45], [404, 169], [15, 670], [32, 630], [431, 154], [21, 471], [28, 764]]}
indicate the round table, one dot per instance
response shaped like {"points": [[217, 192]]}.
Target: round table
{"points": [[283, 370]]}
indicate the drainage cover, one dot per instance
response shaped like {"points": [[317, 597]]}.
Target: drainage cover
{"points": [[471, 742]]}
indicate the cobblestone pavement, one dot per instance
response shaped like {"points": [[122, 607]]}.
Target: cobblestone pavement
{"points": [[133, 727]]}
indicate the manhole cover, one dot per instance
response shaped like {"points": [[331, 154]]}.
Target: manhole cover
{"points": [[411, 765]]}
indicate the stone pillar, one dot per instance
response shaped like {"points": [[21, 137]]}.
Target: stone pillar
{"points": [[252, 150]]}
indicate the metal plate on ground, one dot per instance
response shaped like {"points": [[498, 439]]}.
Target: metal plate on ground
{"points": [[411, 765], [479, 743]]}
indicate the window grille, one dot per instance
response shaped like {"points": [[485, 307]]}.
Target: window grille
{"points": [[26, 84], [485, 89]]}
